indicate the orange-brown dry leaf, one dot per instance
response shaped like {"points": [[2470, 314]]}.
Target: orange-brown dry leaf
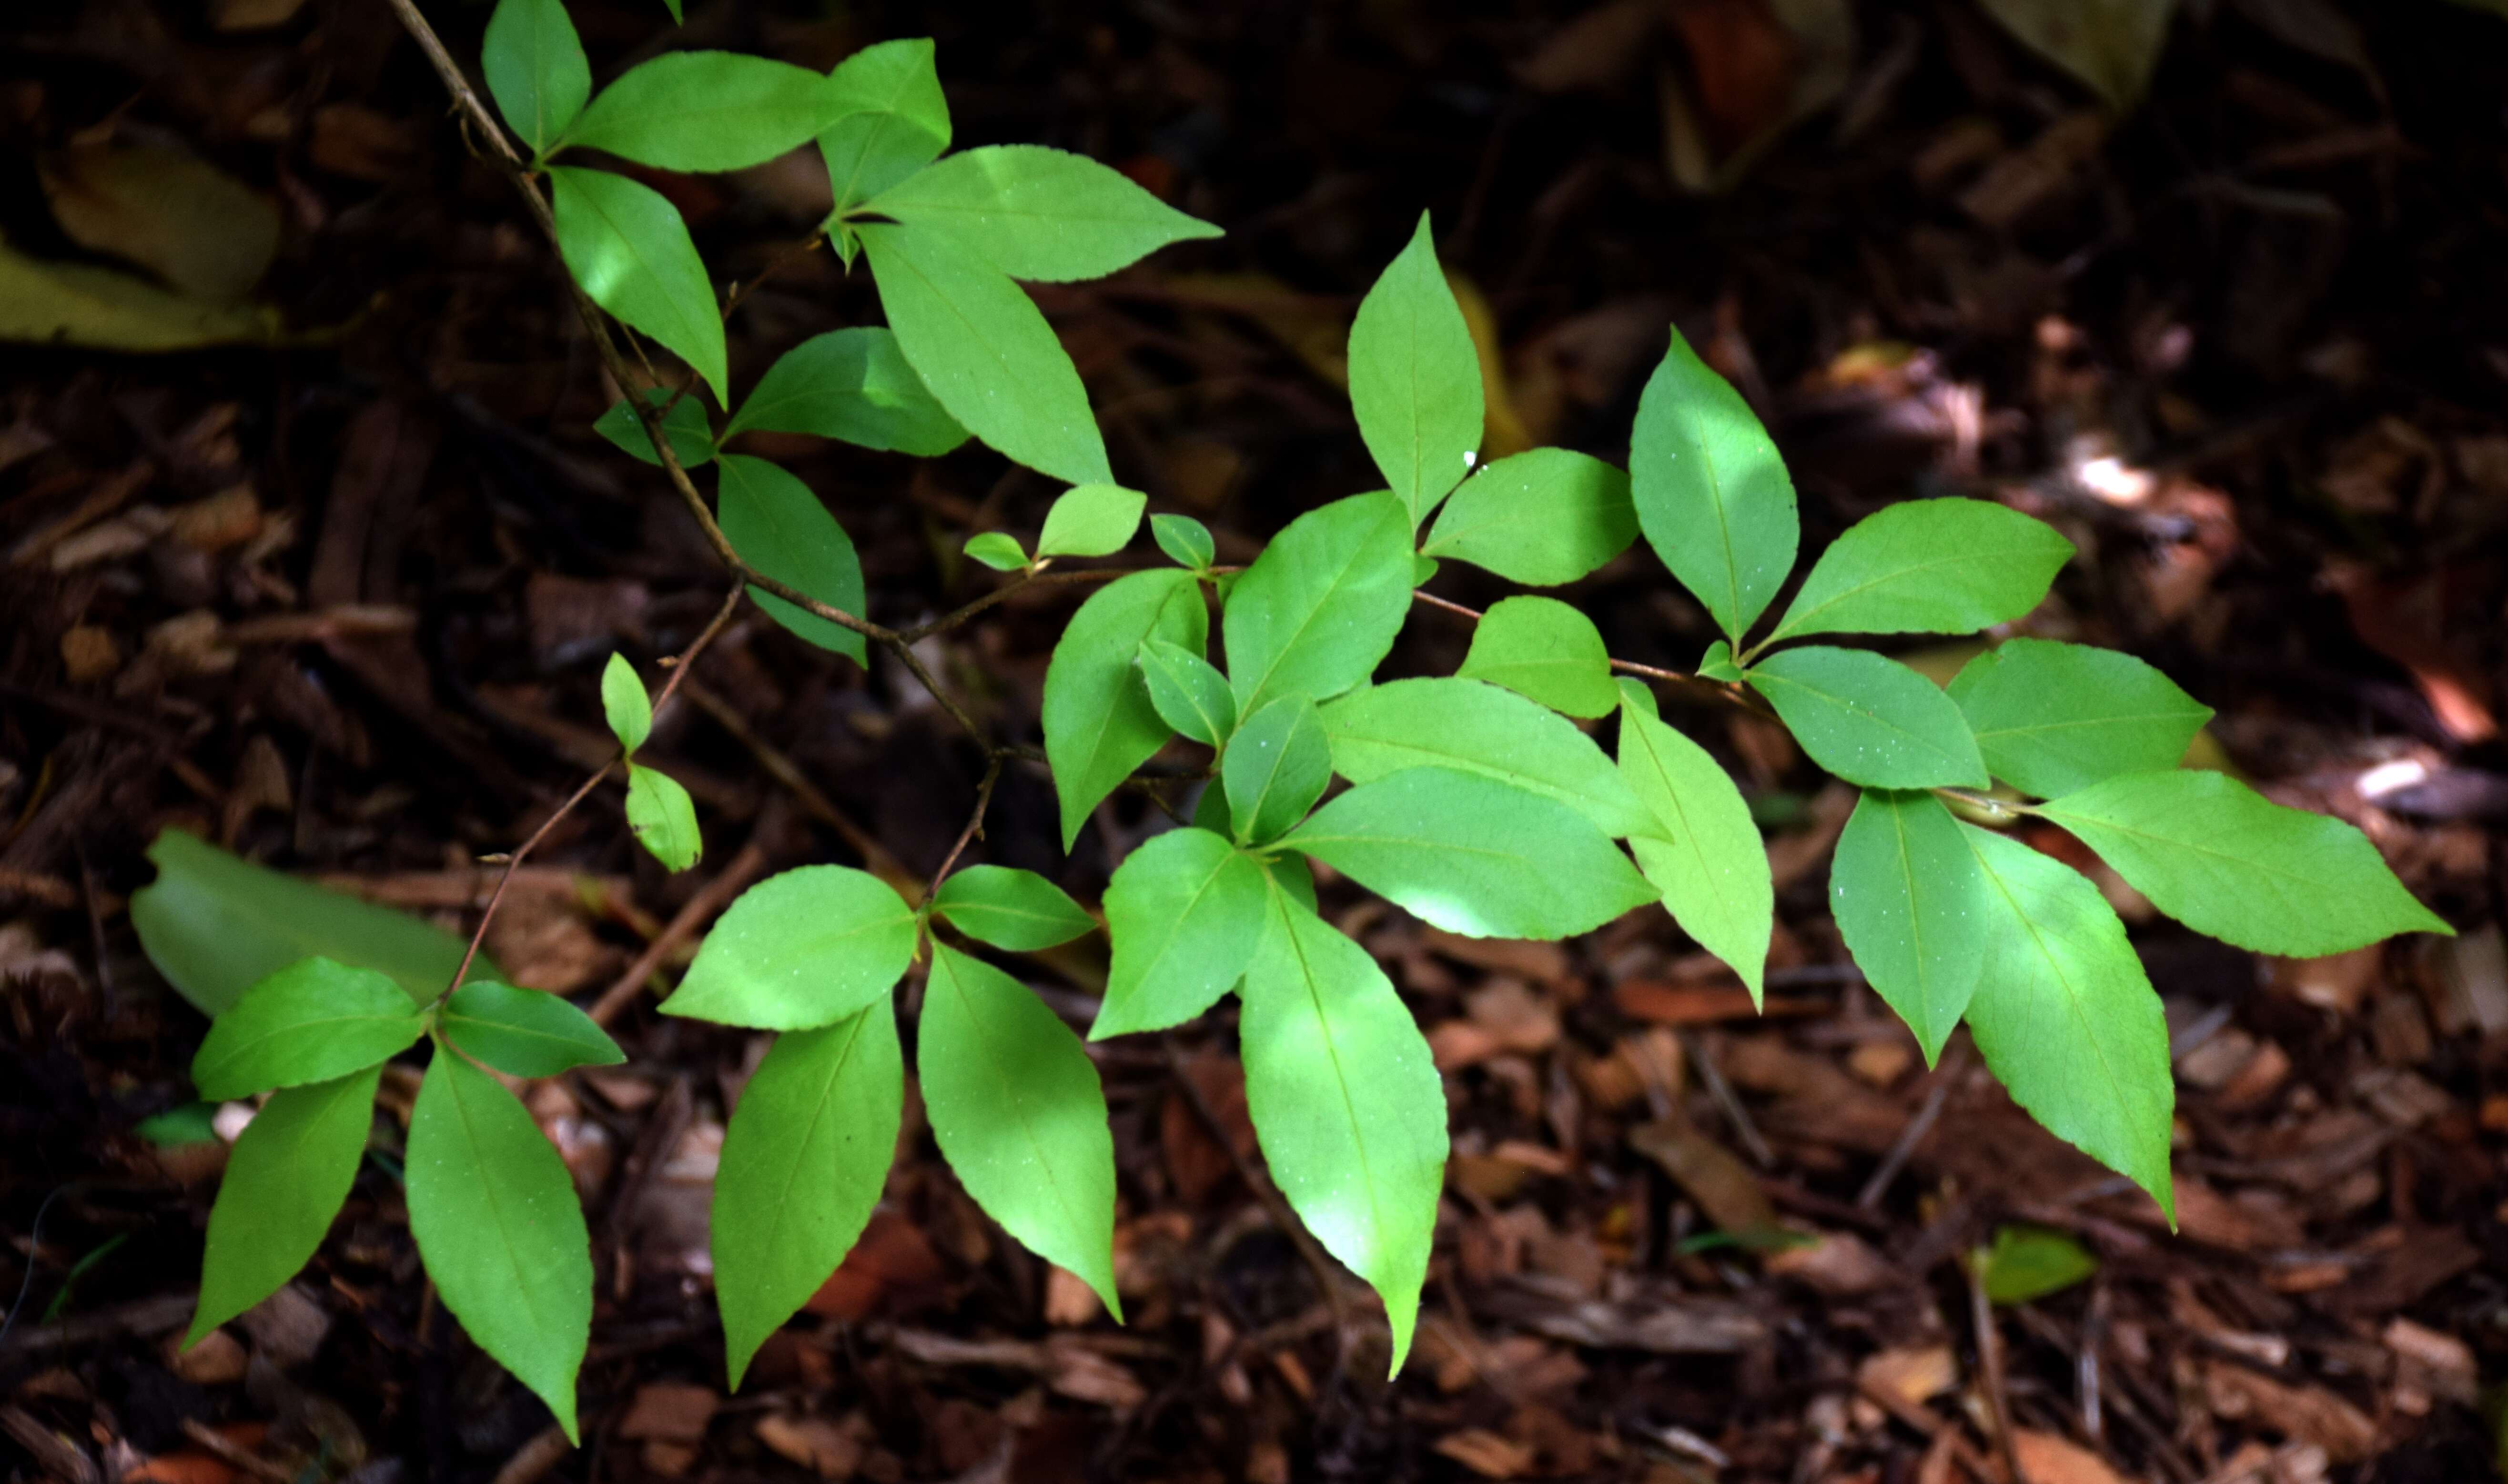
{"points": [[2047, 1459]]}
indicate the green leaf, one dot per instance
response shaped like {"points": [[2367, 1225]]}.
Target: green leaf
{"points": [[1182, 912], [1415, 378], [1015, 1105], [310, 1022], [1010, 909], [1716, 664], [663, 817], [998, 550], [1711, 495], [1540, 518], [1099, 724], [2223, 860], [801, 949], [804, 1162], [1036, 213], [1188, 693], [2064, 1016], [1474, 856], [535, 68], [683, 426], [2053, 718], [1274, 770], [780, 529], [525, 1032], [855, 385], [1911, 904], [185, 1122], [2112, 45], [708, 111], [625, 244], [1347, 1103], [2027, 1263], [1091, 520], [1706, 855], [1544, 649], [983, 349], [1929, 567], [1186, 541], [895, 119], [624, 703], [673, 6], [1319, 609], [1868, 719], [497, 1221], [286, 1179], [216, 925], [1475, 727]]}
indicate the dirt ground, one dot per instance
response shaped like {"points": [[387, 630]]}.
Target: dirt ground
{"points": [[338, 602]]}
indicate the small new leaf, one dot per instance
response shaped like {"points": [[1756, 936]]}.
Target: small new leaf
{"points": [[1091, 520], [1929, 567], [1911, 902], [1544, 649], [625, 244], [1415, 379], [1011, 908], [1036, 213], [998, 550], [1711, 495], [624, 703], [284, 1181], [1182, 912], [1540, 518], [312, 1022], [1869, 719], [1186, 541], [800, 950], [663, 817], [1189, 693], [1274, 770], [707, 111], [780, 530], [525, 1032]]}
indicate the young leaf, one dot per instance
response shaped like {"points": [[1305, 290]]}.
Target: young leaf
{"points": [[852, 384], [1711, 495], [683, 427], [1015, 1105], [1540, 518], [803, 1160], [624, 703], [779, 528], [1474, 856], [1476, 727], [896, 120], [800, 950], [2027, 1264], [1319, 609], [1187, 691], [663, 817], [708, 111], [1015, 910], [983, 349], [1182, 912], [2223, 860], [1099, 724], [1415, 378], [1911, 902], [1929, 567], [498, 1224], [1347, 1103], [1868, 719], [1716, 664], [310, 1022], [284, 1181], [1274, 770], [525, 1032], [625, 244], [2065, 1018], [1186, 541], [998, 550], [1706, 855], [1091, 520], [535, 68], [2054, 717], [1036, 213], [1544, 649]]}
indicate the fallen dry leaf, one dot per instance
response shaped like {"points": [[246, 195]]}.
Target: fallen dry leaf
{"points": [[2050, 1459]]}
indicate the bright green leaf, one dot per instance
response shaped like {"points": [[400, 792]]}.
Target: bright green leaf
{"points": [[1091, 520], [781, 529], [663, 818], [525, 1032], [1347, 1103], [1544, 649], [1011, 908], [1869, 719], [1474, 856], [1188, 693], [1716, 664], [1275, 767], [896, 120], [1016, 1107], [1099, 724], [1415, 378], [1183, 912], [624, 703], [804, 1162], [1036, 213], [535, 68], [1476, 727], [1186, 541], [1711, 495], [1911, 902], [1320, 608], [2223, 860], [708, 111], [683, 427], [286, 1179], [310, 1022], [625, 244], [2053, 718], [1540, 518], [185, 1122], [1706, 857], [998, 550], [498, 1224], [1928, 567], [2027, 1263], [801, 949], [855, 385]]}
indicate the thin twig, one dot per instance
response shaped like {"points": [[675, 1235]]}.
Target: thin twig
{"points": [[1989, 1362], [710, 900], [1914, 1134], [975, 830]]}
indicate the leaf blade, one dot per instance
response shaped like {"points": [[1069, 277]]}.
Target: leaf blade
{"points": [[525, 1032], [1038, 214], [285, 1180], [1184, 913], [1542, 518], [800, 950], [1708, 859], [1320, 608], [1275, 767], [1928, 565], [535, 68], [2051, 719], [1476, 727], [853, 385], [662, 817], [708, 111], [781, 529], [1869, 719], [1415, 378], [1099, 723], [1711, 495], [312, 1022], [1011, 908], [1546, 652], [625, 244], [1911, 902]]}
